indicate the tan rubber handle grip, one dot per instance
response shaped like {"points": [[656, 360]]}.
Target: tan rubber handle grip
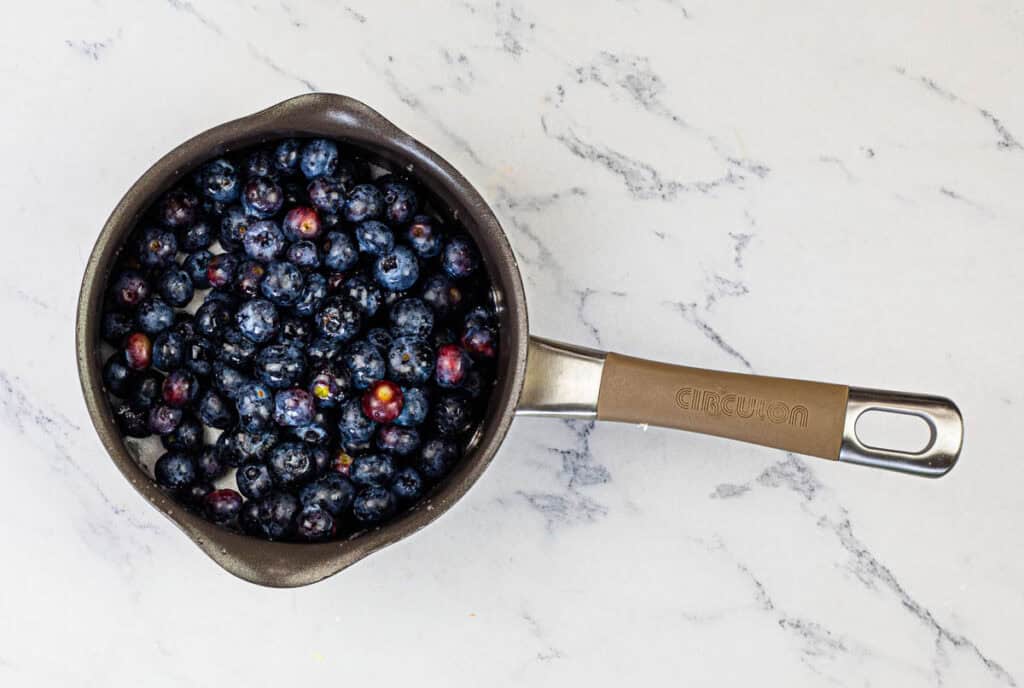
{"points": [[793, 415]]}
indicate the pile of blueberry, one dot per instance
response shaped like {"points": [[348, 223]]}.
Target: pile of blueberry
{"points": [[318, 316]]}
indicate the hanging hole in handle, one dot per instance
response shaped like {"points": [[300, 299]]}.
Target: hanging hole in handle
{"points": [[894, 431]]}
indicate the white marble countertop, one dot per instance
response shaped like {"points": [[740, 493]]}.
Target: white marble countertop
{"points": [[820, 190]]}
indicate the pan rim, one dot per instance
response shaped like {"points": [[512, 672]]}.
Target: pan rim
{"points": [[344, 118]]}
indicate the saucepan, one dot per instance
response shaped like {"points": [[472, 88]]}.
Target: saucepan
{"points": [[536, 376]]}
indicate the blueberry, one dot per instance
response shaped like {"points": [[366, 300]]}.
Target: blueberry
{"points": [[340, 252], [145, 392], [313, 294], [283, 283], [318, 157], [208, 464], [199, 356], [296, 331], [452, 415], [130, 288], [327, 194], [291, 463], [400, 202], [249, 518], [415, 407], [365, 294], [132, 422], [364, 202], [341, 463], [382, 402], [235, 447], [339, 318], [443, 295], [180, 388], [259, 163], [452, 365], [280, 365], [277, 514], [408, 485], [262, 197], [353, 425], [380, 338], [197, 237], [263, 241], [316, 432], [174, 471], [460, 258], [117, 376], [373, 505], [374, 238], [196, 265], [258, 320], [411, 316], [227, 379], [398, 440], [222, 506], [184, 326], [254, 480], [286, 156], [248, 278], [301, 223], [333, 493], [115, 327], [424, 236], [365, 363], [322, 351], [213, 410], [437, 458], [314, 525], [219, 180], [329, 387], [138, 351], [305, 254], [474, 384], [177, 209], [397, 270], [222, 270], [154, 315], [480, 342], [233, 228], [187, 437], [410, 360], [163, 419], [480, 316], [293, 408], [157, 247], [222, 296], [255, 405], [373, 470], [176, 287]]}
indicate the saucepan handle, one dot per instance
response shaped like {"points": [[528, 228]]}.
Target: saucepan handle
{"points": [[813, 418]]}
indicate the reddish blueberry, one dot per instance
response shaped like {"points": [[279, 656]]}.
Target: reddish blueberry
{"points": [[138, 351], [301, 223], [452, 365], [222, 506], [480, 342], [382, 402], [180, 388]]}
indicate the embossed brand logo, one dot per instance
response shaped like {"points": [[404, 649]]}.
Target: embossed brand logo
{"points": [[740, 406]]}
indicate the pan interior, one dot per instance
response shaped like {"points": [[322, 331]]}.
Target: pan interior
{"points": [[356, 125]]}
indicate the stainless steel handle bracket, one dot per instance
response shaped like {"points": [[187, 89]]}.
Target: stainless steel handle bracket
{"points": [[940, 414], [562, 380]]}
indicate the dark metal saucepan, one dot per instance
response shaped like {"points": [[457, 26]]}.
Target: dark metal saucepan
{"points": [[536, 376]]}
